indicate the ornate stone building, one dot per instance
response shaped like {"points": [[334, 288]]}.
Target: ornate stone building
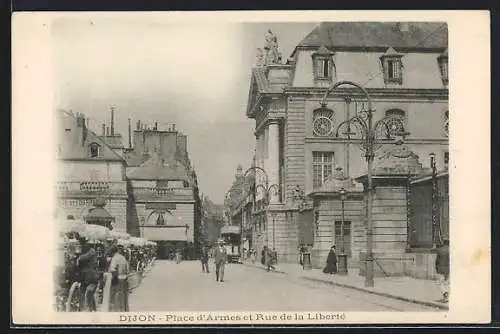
{"points": [[148, 190], [90, 180], [404, 68]]}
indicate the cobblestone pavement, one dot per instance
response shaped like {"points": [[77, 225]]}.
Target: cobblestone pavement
{"points": [[183, 287]]}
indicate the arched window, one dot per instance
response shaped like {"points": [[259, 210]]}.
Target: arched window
{"points": [[94, 150], [395, 126], [323, 122]]}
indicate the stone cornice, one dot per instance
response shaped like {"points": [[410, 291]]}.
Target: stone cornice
{"points": [[405, 93], [381, 49], [274, 119], [333, 140]]}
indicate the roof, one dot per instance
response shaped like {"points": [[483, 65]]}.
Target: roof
{"points": [[156, 168], [72, 146], [428, 176], [378, 34], [98, 213]]}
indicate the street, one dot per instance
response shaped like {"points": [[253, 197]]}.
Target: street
{"points": [[183, 287]]}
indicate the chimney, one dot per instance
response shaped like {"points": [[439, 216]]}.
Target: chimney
{"points": [[156, 126], [107, 131], [138, 125], [112, 121], [129, 134], [80, 122], [173, 127], [103, 130]]}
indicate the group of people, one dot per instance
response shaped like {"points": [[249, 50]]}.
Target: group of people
{"points": [[219, 254], [94, 261], [89, 265]]}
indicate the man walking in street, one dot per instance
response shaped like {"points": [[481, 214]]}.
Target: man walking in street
{"points": [[443, 268], [119, 268], [220, 258], [204, 260]]}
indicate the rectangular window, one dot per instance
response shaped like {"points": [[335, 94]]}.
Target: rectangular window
{"points": [[347, 237], [322, 167], [446, 157], [393, 70], [94, 150], [326, 69], [390, 69]]}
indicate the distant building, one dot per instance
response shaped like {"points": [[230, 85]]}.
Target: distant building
{"points": [[148, 190], [404, 68], [164, 197]]}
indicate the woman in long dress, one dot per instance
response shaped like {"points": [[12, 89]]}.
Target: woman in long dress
{"points": [[331, 262]]}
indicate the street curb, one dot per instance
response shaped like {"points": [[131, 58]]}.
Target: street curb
{"points": [[383, 294], [348, 286]]}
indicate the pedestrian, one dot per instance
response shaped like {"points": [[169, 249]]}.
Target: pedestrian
{"points": [[253, 255], [178, 256], [220, 259], [443, 268], [87, 265], [331, 262], [119, 268], [269, 259], [204, 260]]}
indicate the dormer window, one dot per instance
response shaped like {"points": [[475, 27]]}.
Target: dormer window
{"points": [[94, 150], [443, 67], [323, 65], [392, 65]]}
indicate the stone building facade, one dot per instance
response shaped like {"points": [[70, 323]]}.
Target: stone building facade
{"points": [[148, 190], [88, 170], [403, 67]]}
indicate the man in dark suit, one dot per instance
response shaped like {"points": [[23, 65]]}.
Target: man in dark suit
{"points": [[87, 263], [204, 260], [220, 259]]}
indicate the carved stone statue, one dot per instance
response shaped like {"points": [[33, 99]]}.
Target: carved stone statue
{"points": [[273, 56]]}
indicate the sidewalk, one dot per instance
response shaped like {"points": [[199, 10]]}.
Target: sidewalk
{"points": [[419, 291]]}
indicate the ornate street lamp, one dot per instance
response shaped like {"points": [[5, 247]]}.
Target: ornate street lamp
{"points": [[267, 189], [372, 136], [342, 270]]}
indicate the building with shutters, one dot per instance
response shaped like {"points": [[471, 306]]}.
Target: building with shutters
{"points": [[404, 68]]}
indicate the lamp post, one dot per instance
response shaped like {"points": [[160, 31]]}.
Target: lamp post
{"points": [[385, 128], [342, 270], [273, 215], [267, 190], [435, 209]]}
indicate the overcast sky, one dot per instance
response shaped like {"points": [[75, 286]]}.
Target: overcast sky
{"points": [[191, 74]]}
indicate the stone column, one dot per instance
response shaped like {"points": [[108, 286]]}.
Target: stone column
{"points": [[272, 166], [390, 176]]}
